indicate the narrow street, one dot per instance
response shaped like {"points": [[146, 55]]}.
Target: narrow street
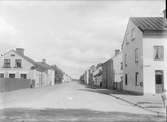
{"points": [[72, 98]]}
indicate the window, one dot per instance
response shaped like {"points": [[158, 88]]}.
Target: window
{"points": [[11, 75], [132, 34], [126, 38], [126, 79], [137, 78], [158, 53], [1, 75], [18, 63], [159, 76], [23, 76], [126, 60], [136, 55], [121, 66], [6, 63]]}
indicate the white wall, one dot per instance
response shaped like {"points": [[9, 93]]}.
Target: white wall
{"points": [[117, 60], [132, 67], [149, 65], [25, 65]]}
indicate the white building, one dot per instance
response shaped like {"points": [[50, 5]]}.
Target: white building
{"points": [[145, 55], [118, 69], [66, 78], [14, 64]]}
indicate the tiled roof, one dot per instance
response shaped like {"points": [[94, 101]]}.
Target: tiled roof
{"points": [[149, 23], [43, 66]]}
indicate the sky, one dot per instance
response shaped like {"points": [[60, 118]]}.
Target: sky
{"points": [[71, 34]]}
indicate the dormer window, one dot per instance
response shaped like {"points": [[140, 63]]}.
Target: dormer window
{"points": [[18, 63]]}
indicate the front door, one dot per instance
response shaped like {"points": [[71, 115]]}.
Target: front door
{"points": [[159, 81]]}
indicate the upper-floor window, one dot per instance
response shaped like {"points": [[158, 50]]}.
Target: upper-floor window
{"points": [[132, 34], [18, 63], [121, 66], [6, 63], [126, 60], [136, 55], [158, 53], [127, 38]]}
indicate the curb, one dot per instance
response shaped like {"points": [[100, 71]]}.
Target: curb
{"points": [[137, 105]]}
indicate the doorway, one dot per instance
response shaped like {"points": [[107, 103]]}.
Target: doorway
{"points": [[159, 81]]}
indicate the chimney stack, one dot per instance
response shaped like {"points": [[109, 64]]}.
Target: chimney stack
{"points": [[20, 51], [117, 51], [43, 60]]}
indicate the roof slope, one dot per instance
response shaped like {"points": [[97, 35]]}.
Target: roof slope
{"points": [[149, 23], [42, 66], [26, 57]]}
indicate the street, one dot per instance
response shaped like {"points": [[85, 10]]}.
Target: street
{"points": [[71, 100]]}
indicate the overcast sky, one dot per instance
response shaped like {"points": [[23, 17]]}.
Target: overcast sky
{"points": [[71, 34]]}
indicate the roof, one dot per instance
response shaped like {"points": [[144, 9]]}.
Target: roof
{"points": [[26, 57], [149, 23], [42, 66]]}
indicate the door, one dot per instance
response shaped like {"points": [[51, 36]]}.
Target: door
{"points": [[159, 81]]}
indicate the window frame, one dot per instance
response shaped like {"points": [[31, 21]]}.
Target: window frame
{"points": [[154, 53], [7, 63], [17, 61]]}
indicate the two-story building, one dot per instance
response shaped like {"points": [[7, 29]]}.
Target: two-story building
{"points": [[144, 52], [15, 64], [117, 70], [108, 74]]}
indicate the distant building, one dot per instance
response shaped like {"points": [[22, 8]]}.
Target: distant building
{"points": [[15, 64], [66, 78], [108, 74], [98, 76], [144, 51], [118, 69]]}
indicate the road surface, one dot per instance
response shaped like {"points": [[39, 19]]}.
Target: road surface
{"points": [[65, 97]]}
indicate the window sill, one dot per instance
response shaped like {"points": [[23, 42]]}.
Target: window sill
{"points": [[158, 59]]}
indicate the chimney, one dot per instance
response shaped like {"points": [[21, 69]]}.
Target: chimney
{"points": [[20, 51], [117, 51], [43, 60]]}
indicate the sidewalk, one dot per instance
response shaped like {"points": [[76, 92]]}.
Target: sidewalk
{"points": [[149, 102]]}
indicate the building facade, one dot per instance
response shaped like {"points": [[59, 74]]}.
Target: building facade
{"points": [[108, 74], [117, 69], [144, 52], [14, 64]]}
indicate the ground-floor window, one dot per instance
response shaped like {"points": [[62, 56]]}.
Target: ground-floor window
{"points": [[126, 79], [1, 75], [23, 76], [137, 78], [11, 75], [159, 81], [159, 76]]}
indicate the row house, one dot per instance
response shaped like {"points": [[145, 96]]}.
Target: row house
{"points": [[66, 78], [98, 76], [108, 75], [15, 64], [117, 70], [144, 52]]}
